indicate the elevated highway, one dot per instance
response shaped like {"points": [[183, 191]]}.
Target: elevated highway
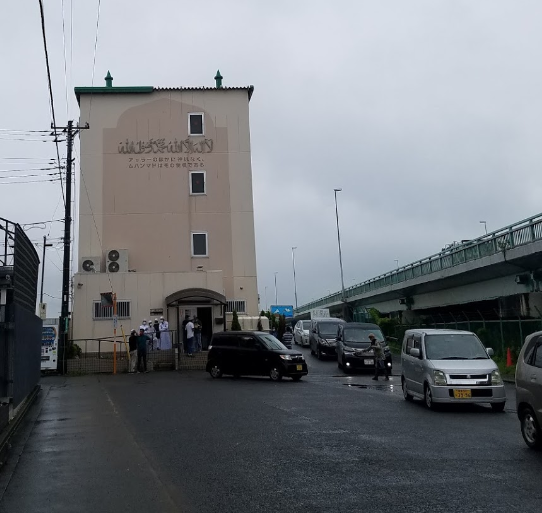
{"points": [[506, 263]]}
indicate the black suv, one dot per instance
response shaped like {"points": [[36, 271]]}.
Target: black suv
{"points": [[253, 353], [352, 340]]}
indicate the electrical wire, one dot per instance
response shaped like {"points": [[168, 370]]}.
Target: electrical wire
{"points": [[42, 15], [31, 181], [65, 61], [94, 57]]}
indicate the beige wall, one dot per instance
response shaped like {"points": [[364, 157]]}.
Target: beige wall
{"points": [[146, 291], [126, 203]]}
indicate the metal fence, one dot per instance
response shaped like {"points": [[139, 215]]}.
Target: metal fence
{"points": [[20, 328], [104, 355], [518, 234], [498, 334]]}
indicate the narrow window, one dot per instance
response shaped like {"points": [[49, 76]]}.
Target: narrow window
{"points": [[197, 182], [195, 123], [199, 244]]}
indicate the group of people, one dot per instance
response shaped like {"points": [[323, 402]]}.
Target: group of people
{"points": [[192, 335], [158, 333], [149, 333]]}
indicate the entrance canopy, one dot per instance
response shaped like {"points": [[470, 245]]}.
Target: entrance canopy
{"points": [[195, 296]]}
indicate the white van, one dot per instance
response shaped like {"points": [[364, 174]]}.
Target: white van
{"points": [[449, 366]]}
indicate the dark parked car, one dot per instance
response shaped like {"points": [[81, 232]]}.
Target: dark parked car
{"points": [[323, 336], [352, 340], [253, 353]]}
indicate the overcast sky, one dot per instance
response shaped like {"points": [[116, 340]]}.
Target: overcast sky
{"points": [[426, 113]]}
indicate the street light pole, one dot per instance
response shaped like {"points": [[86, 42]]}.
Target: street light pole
{"points": [[295, 284], [340, 252], [276, 296], [485, 225], [266, 305], [397, 263]]}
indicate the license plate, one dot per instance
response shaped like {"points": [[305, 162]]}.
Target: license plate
{"points": [[369, 362], [299, 367], [462, 394]]}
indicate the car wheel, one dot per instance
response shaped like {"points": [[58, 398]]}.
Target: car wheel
{"points": [[296, 378], [406, 395], [498, 407], [530, 429], [428, 396], [215, 371], [275, 374]]}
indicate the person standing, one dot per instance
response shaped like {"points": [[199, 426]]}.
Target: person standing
{"points": [[150, 333], [156, 327], [185, 322], [288, 337], [378, 349], [165, 337], [142, 341], [132, 344], [197, 334], [189, 338]]}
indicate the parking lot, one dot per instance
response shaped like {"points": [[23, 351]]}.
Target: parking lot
{"points": [[184, 442]]}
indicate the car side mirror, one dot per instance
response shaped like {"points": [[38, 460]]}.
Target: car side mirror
{"points": [[415, 352], [490, 352]]}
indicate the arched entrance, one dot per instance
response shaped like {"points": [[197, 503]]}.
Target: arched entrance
{"points": [[208, 305]]}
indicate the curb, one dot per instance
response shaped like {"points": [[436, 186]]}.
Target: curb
{"points": [[10, 429]]}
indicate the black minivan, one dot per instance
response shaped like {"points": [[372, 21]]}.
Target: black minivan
{"points": [[253, 353]]}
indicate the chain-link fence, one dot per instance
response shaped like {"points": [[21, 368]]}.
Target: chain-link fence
{"points": [[93, 356], [499, 334]]}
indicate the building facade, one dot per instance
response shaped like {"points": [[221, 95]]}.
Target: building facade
{"points": [[166, 218]]}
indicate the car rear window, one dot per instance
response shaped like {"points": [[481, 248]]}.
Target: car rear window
{"points": [[225, 341]]}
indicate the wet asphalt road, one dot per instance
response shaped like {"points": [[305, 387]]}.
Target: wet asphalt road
{"points": [[184, 442]]}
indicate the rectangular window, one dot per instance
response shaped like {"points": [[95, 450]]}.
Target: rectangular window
{"points": [[106, 312], [196, 124], [239, 305], [199, 244], [197, 182]]}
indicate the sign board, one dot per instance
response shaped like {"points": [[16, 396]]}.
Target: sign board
{"points": [[319, 313], [49, 344], [157, 311], [115, 321], [43, 311], [286, 310]]}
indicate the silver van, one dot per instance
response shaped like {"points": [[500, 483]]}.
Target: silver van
{"points": [[529, 390], [449, 366]]}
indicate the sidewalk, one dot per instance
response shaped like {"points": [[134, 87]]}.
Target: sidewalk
{"points": [[74, 453]]}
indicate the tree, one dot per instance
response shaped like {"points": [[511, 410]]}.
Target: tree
{"points": [[281, 327], [260, 325], [235, 326], [262, 314]]}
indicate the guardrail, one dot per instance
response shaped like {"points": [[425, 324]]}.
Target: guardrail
{"points": [[517, 234]]}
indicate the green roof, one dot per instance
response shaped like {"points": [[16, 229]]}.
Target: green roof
{"points": [[149, 89]]}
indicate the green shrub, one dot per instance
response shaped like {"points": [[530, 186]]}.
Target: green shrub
{"points": [[235, 326]]}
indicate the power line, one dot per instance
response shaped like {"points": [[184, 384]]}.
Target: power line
{"points": [[94, 57], [42, 15], [65, 63]]}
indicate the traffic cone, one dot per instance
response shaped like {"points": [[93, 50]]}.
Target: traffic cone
{"points": [[509, 358]]}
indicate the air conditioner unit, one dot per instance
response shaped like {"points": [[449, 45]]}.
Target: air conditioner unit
{"points": [[92, 264], [116, 261]]}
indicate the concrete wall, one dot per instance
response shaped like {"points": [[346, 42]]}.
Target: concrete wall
{"points": [[142, 202], [146, 291]]}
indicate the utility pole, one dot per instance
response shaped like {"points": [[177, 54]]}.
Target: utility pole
{"points": [[64, 314], [343, 296]]}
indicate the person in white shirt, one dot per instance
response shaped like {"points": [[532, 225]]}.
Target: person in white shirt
{"points": [[144, 325], [165, 338], [190, 337]]}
